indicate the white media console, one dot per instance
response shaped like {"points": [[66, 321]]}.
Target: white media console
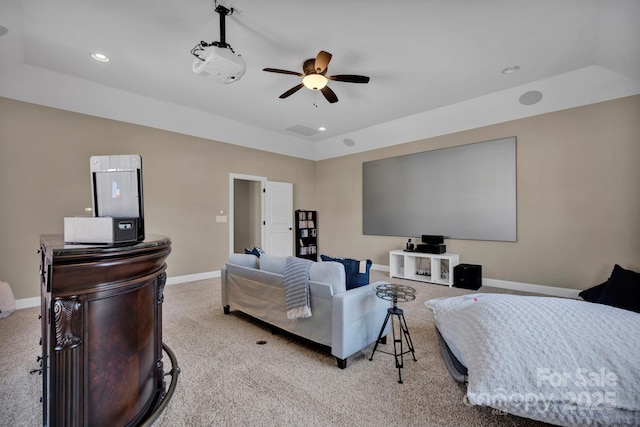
{"points": [[423, 267]]}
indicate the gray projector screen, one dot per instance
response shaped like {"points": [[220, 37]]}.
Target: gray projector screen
{"points": [[463, 192]]}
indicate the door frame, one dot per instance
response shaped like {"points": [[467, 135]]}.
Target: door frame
{"points": [[232, 180]]}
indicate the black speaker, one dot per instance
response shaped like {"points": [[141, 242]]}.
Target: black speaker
{"points": [[468, 276], [432, 240]]}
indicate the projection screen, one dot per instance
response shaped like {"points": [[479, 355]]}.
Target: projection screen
{"points": [[463, 192]]}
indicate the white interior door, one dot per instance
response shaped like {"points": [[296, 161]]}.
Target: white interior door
{"points": [[278, 218]]}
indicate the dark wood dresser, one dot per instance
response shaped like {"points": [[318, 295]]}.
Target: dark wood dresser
{"points": [[102, 331]]}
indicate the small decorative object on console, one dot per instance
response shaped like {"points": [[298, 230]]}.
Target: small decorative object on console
{"points": [[410, 246]]}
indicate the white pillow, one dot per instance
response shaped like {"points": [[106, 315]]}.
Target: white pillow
{"points": [[7, 301]]}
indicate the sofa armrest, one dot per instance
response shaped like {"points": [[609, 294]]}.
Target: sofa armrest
{"points": [[357, 316]]}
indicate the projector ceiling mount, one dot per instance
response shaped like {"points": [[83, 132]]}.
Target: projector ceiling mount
{"points": [[217, 60], [199, 49]]}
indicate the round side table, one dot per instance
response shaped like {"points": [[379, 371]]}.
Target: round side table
{"points": [[396, 293]]}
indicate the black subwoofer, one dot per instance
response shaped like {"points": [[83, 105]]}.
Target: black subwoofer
{"points": [[468, 276]]}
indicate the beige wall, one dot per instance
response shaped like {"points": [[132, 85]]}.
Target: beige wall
{"points": [[578, 197], [44, 176], [578, 192]]}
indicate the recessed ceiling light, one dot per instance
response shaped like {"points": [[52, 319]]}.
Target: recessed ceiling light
{"points": [[3, 31], [510, 70], [322, 128], [100, 57]]}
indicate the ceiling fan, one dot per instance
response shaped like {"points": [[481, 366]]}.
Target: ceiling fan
{"points": [[314, 78]]}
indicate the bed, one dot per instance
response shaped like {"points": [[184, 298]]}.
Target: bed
{"points": [[562, 361]]}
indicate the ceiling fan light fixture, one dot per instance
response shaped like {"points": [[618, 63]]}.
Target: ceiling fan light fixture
{"points": [[313, 77], [314, 81]]}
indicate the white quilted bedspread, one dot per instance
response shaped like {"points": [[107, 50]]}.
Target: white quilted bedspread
{"points": [[562, 361]]}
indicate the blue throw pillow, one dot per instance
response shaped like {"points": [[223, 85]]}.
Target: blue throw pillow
{"points": [[355, 279], [255, 251]]}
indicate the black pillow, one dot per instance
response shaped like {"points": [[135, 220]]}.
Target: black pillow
{"points": [[622, 290], [355, 279], [593, 294]]}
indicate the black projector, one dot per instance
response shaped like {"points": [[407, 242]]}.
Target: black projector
{"points": [[431, 248]]}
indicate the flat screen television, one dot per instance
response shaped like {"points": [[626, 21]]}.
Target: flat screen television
{"points": [[462, 192]]}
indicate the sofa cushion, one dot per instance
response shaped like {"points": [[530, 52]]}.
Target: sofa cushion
{"points": [[245, 260], [331, 273], [272, 263], [354, 279]]}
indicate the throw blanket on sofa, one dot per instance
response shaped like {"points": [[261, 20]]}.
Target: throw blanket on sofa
{"points": [[296, 287]]}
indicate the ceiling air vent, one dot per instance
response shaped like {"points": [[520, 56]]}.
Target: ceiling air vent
{"points": [[302, 130]]}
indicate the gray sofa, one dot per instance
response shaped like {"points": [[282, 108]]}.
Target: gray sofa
{"points": [[346, 321]]}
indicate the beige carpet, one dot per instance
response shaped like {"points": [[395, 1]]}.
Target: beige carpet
{"points": [[228, 379]]}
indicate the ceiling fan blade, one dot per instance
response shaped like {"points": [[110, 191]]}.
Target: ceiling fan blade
{"points": [[276, 70], [322, 62], [329, 94], [291, 91], [349, 78]]}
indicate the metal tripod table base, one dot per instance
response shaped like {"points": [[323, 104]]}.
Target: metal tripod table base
{"points": [[396, 293]]}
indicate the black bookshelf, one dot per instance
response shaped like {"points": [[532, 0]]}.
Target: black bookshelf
{"points": [[306, 234]]}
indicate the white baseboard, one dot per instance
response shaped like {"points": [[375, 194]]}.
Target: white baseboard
{"points": [[380, 267], [35, 301], [515, 286], [494, 283], [536, 289], [193, 277], [27, 302]]}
